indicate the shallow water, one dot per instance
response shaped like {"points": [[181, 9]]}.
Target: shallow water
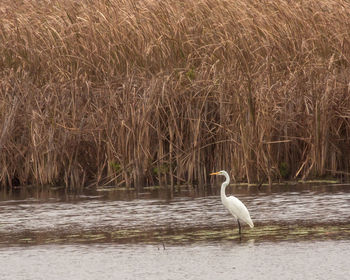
{"points": [[284, 260], [302, 231], [56, 214]]}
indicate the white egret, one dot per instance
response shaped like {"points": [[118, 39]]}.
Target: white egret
{"points": [[233, 204]]}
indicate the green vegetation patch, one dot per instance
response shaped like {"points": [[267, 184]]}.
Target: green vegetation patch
{"points": [[260, 233]]}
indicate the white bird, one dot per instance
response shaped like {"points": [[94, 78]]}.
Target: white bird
{"points": [[233, 204]]}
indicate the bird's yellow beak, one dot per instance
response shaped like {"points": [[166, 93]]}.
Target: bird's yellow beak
{"points": [[215, 173]]}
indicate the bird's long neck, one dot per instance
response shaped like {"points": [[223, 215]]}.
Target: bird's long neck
{"points": [[223, 188]]}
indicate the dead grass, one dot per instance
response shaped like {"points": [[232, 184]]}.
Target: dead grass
{"points": [[162, 92]]}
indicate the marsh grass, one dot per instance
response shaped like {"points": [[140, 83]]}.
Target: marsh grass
{"points": [[165, 237], [136, 93]]}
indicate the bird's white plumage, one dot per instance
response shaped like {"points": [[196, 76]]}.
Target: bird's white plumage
{"points": [[232, 203], [238, 210]]}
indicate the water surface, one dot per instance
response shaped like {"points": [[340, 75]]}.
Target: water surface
{"points": [[305, 260], [301, 232]]}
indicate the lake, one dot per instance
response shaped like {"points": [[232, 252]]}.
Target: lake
{"points": [[301, 232]]}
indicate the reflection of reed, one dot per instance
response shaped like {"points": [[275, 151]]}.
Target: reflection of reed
{"points": [[141, 93]]}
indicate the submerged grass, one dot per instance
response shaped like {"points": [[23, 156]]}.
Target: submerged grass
{"points": [[137, 93], [261, 233]]}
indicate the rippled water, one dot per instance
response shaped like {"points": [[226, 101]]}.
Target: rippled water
{"points": [[306, 260], [301, 232], [91, 212]]}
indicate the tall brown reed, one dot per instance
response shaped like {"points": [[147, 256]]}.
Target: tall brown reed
{"points": [[150, 92]]}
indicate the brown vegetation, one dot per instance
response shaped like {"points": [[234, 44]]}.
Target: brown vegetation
{"points": [[162, 92]]}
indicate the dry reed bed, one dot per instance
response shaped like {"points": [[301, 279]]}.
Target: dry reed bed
{"points": [[162, 92]]}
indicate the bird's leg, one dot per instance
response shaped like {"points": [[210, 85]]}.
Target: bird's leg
{"points": [[239, 227]]}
